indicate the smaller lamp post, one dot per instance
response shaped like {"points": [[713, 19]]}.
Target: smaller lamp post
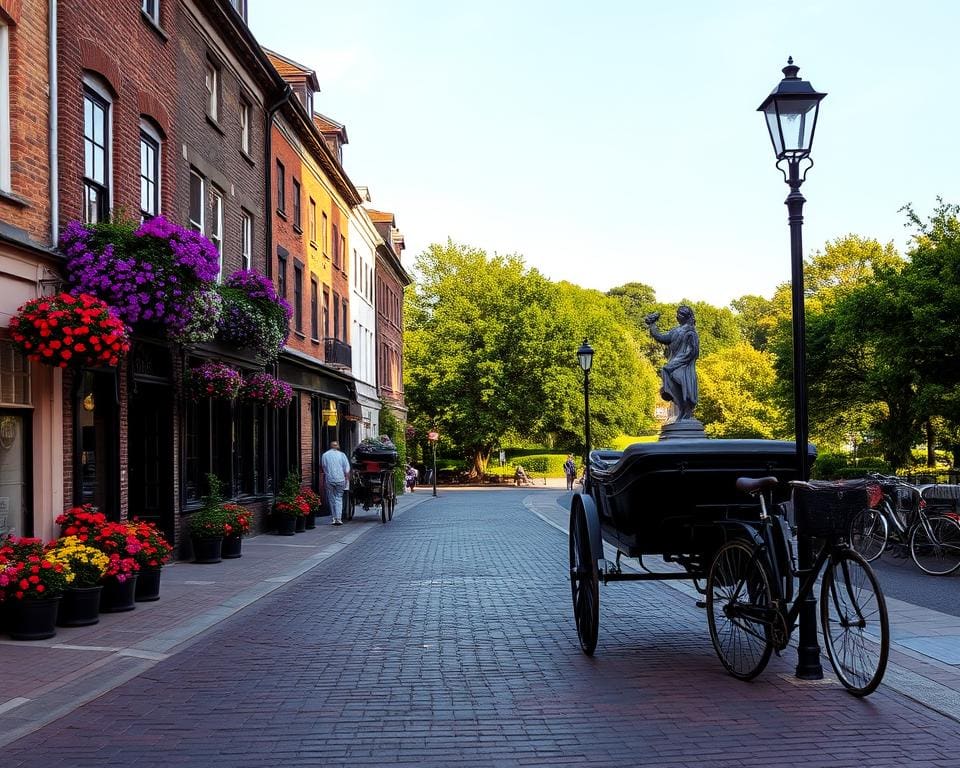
{"points": [[433, 436], [585, 358]]}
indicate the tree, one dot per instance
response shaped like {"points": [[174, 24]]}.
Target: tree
{"points": [[736, 400], [477, 351]]}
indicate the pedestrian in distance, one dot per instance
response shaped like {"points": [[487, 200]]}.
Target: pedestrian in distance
{"points": [[570, 470], [336, 476], [411, 478]]}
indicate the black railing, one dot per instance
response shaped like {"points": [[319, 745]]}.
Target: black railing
{"points": [[336, 352]]}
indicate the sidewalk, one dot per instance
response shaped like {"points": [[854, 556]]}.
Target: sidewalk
{"points": [[43, 680], [924, 662]]}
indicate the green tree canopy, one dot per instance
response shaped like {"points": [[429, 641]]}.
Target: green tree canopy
{"points": [[736, 385]]}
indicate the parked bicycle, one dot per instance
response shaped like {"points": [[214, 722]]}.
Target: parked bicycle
{"points": [[905, 519], [751, 610]]}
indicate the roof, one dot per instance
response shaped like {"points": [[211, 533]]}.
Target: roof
{"points": [[381, 217], [326, 125], [289, 69]]}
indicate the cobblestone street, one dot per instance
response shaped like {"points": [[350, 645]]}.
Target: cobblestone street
{"points": [[446, 638]]}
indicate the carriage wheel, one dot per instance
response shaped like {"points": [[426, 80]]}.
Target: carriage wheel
{"points": [[584, 580], [740, 610], [393, 503], [350, 507], [384, 501]]}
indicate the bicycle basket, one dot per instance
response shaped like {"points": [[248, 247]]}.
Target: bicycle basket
{"points": [[825, 509]]}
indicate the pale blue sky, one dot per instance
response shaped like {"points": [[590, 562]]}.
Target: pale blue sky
{"points": [[612, 141]]}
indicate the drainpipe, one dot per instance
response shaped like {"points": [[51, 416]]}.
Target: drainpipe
{"points": [[54, 117], [268, 173]]}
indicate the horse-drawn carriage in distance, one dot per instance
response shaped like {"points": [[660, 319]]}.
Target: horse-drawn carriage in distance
{"points": [[371, 479]]}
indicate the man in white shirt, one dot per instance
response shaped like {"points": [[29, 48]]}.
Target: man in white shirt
{"points": [[336, 476]]}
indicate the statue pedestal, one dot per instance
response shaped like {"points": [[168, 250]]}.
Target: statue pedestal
{"points": [[687, 429]]}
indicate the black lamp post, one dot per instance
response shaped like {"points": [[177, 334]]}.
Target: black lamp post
{"points": [[791, 111], [585, 358]]}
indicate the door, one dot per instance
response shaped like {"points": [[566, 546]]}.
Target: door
{"points": [[150, 446], [15, 503]]}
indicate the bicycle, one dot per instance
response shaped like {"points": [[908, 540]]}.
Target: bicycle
{"points": [[751, 610], [930, 534]]}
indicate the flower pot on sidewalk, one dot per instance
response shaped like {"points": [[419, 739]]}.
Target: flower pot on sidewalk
{"points": [[33, 619], [286, 524], [207, 549], [118, 596], [80, 606], [148, 584], [300, 524], [232, 547]]}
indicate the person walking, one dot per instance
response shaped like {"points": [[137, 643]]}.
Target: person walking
{"points": [[570, 470], [336, 475]]}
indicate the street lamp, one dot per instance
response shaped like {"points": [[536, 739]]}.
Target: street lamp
{"points": [[585, 358], [433, 436], [791, 111]]}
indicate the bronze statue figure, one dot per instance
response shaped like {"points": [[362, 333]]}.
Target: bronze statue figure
{"points": [[679, 373]]}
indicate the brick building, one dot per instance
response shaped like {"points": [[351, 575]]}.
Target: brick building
{"points": [[391, 280], [31, 461]]}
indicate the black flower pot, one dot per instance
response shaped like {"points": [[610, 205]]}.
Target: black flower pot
{"points": [[231, 548], [311, 521], [286, 524], [118, 596], [148, 585], [208, 549], [33, 619], [80, 606], [300, 523]]}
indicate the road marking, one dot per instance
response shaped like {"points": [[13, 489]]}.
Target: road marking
{"points": [[13, 704]]}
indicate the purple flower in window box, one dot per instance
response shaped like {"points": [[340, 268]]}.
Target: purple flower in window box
{"points": [[254, 316], [212, 379], [265, 389]]}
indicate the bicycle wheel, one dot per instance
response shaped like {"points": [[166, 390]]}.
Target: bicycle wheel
{"points": [[740, 610], [868, 534], [853, 617], [935, 545]]}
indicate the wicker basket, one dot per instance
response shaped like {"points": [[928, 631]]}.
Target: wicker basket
{"points": [[826, 509]]}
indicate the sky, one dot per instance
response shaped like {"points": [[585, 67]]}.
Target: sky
{"points": [[612, 142]]}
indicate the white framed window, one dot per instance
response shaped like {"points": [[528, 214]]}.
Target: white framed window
{"points": [[149, 171], [151, 8], [216, 224], [246, 239], [212, 83], [241, 7], [96, 152], [4, 107], [323, 235], [313, 221], [245, 126], [197, 192]]}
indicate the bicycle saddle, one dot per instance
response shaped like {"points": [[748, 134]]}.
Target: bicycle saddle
{"points": [[753, 485]]}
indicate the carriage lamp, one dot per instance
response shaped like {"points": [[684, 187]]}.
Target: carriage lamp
{"points": [[791, 111], [585, 358]]}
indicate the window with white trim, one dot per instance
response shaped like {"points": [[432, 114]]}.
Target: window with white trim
{"points": [[212, 83], [246, 239], [313, 221], [216, 224], [149, 171], [4, 107], [96, 153], [245, 125], [151, 8], [197, 192]]}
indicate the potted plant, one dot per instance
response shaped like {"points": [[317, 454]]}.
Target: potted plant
{"points": [[70, 330], [86, 565], [312, 498], [212, 379], [209, 525], [153, 554], [254, 316], [120, 546], [266, 390], [288, 506], [84, 522], [236, 526], [31, 584]]}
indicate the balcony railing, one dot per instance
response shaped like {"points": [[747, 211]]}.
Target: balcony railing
{"points": [[336, 352]]}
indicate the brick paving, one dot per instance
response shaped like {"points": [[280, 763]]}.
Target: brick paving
{"points": [[446, 638]]}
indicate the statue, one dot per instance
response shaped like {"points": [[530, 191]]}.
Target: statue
{"points": [[679, 373]]}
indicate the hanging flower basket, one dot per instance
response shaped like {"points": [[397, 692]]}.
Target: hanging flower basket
{"points": [[213, 380], [254, 316], [265, 389], [156, 273], [65, 330]]}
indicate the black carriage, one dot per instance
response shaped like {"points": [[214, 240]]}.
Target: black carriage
{"points": [[676, 499], [372, 481]]}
